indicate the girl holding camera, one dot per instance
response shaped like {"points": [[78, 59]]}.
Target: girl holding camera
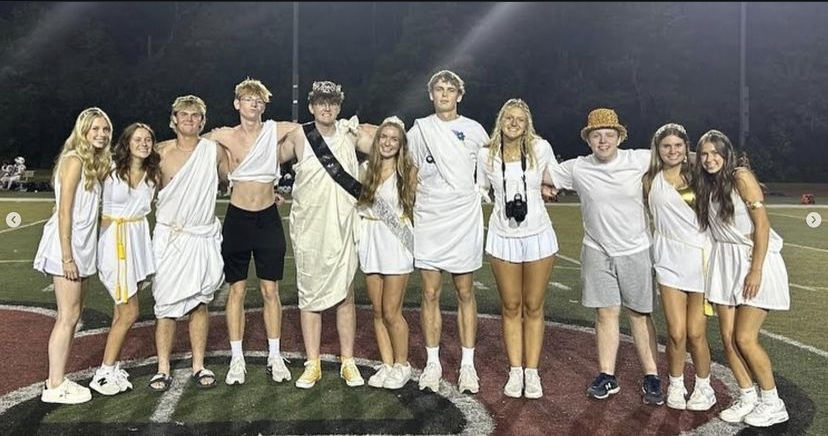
{"points": [[521, 241]]}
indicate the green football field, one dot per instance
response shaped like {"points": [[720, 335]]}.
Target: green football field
{"points": [[796, 340]]}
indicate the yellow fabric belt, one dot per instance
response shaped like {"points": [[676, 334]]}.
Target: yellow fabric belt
{"points": [[121, 286]]}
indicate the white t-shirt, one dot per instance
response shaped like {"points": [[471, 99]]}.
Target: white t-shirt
{"points": [[612, 202], [491, 175]]}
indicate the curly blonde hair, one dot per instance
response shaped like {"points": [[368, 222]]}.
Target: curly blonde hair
{"points": [[95, 162]]}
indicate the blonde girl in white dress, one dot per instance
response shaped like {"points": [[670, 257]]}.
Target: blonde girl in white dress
{"points": [[125, 258], [67, 249], [679, 248], [385, 247], [521, 241], [746, 275]]}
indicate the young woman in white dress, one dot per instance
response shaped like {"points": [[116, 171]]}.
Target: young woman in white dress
{"points": [[521, 241], [679, 256], [125, 258], [385, 247], [746, 275], [67, 249]]}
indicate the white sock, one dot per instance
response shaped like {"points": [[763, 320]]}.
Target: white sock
{"points": [[677, 381], [273, 347], [236, 349], [702, 382], [468, 356], [433, 355], [107, 368], [516, 369], [749, 394], [532, 371], [770, 396]]}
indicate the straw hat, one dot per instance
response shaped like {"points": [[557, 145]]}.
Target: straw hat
{"points": [[603, 118]]}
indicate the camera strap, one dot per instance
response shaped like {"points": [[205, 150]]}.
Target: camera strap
{"points": [[522, 167]]}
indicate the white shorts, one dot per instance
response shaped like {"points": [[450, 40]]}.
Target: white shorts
{"points": [[522, 249]]}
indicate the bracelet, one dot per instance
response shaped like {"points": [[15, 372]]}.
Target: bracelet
{"points": [[65, 261]]}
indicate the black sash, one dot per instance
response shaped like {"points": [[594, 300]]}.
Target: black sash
{"points": [[329, 161]]}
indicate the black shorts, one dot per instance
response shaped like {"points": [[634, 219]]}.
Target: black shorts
{"points": [[257, 233]]}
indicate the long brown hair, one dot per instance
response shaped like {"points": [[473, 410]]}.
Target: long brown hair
{"points": [[656, 165], [716, 187], [122, 156], [373, 177]]}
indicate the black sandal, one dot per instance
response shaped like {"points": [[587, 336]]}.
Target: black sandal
{"points": [[164, 379], [202, 375]]}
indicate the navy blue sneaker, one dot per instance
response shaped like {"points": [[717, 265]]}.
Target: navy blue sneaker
{"points": [[603, 386], [651, 388]]}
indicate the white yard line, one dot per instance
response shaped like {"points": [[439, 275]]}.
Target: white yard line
{"points": [[560, 286], [17, 261], [569, 259], [786, 215], [795, 343], [805, 247], [168, 402], [11, 229]]}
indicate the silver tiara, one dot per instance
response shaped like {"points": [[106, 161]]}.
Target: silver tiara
{"points": [[326, 87], [394, 120], [674, 126]]}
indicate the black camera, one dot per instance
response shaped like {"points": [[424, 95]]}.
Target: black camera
{"points": [[516, 208]]}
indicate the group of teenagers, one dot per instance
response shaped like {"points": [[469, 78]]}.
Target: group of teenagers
{"points": [[695, 221]]}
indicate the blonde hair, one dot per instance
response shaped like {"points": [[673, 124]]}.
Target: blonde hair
{"points": [[187, 102], [373, 177], [527, 140], [95, 162], [252, 87]]}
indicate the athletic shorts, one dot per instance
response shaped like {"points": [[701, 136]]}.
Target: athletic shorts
{"points": [[258, 233], [617, 280]]}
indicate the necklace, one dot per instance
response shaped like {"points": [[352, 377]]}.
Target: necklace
{"points": [[511, 154]]}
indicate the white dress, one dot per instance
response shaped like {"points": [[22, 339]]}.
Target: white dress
{"points": [[126, 208], [380, 250], [679, 246], [730, 262], [49, 257]]}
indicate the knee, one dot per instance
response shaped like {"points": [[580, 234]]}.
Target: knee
{"points": [[391, 318], [696, 338], [431, 296], [270, 294], [728, 343], [69, 317], [511, 310], [533, 312], [745, 341], [465, 296], [678, 337], [236, 293], [127, 315]]}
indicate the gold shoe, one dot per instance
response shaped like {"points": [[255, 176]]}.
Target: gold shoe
{"points": [[312, 374], [350, 373]]}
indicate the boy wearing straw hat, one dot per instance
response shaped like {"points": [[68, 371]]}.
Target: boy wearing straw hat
{"points": [[616, 269]]}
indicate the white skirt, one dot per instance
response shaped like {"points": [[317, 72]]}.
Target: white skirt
{"points": [[139, 263], [380, 251], [522, 249], [729, 265]]}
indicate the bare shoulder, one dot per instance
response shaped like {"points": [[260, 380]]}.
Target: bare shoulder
{"points": [[220, 134]]}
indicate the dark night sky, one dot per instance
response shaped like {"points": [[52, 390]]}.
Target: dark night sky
{"points": [[654, 63]]}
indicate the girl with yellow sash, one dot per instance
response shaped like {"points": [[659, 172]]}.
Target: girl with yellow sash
{"points": [[124, 247]]}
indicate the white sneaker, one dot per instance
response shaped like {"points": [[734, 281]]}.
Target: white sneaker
{"points": [[514, 386], [236, 372], [767, 413], [67, 392], [277, 369], [738, 410], [703, 398], [105, 383], [430, 378], [676, 396], [378, 379], [122, 377], [468, 380], [398, 376], [533, 389]]}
